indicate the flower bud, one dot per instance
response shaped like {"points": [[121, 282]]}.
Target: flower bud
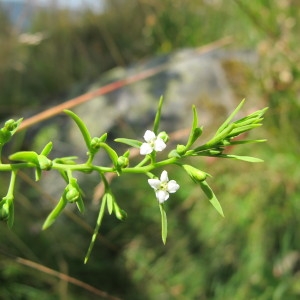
{"points": [[72, 195], [44, 162], [123, 162], [4, 212], [181, 149], [95, 143], [196, 174], [164, 136], [10, 125]]}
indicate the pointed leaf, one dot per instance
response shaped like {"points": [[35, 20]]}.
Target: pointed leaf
{"points": [[211, 197], [241, 157], [55, 212], [47, 149], [164, 223], [228, 120], [27, 156], [130, 142], [83, 129], [96, 230], [158, 116]]}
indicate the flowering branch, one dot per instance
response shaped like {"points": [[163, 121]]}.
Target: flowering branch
{"points": [[154, 141]]}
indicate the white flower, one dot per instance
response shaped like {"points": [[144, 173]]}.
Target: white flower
{"points": [[153, 142], [163, 186]]}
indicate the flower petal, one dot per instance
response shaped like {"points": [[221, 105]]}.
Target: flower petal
{"points": [[159, 144], [154, 183], [162, 195], [145, 149], [164, 176], [149, 136], [173, 186]]}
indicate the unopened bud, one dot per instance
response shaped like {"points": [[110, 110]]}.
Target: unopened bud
{"points": [[4, 212], [164, 136], [44, 162], [181, 149], [196, 174], [123, 161], [72, 195]]}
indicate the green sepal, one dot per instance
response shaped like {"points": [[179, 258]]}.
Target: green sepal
{"points": [[109, 199], [119, 213], [164, 223], [11, 215], [55, 212], [7, 211], [83, 129], [173, 153], [211, 197], [129, 142]]}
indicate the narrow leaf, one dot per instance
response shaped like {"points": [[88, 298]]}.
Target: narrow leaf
{"points": [[83, 129], [158, 115], [164, 223], [27, 156], [55, 213], [130, 142], [96, 230], [111, 152], [241, 157], [228, 120], [211, 197], [47, 149]]}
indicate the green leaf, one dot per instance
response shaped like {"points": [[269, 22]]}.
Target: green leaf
{"points": [[228, 120], [245, 142], [55, 212], [130, 142], [47, 149], [241, 157], [111, 152], [96, 230], [83, 129], [26, 156], [158, 116], [164, 223], [211, 197]]}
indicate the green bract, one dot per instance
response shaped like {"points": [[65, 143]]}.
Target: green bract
{"points": [[155, 140]]}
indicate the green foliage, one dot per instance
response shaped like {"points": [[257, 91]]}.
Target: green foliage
{"points": [[252, 253]]}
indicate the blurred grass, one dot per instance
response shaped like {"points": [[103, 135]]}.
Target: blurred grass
{"points": [[251, 254]]}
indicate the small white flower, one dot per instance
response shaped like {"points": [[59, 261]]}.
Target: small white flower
{"points": [[153, 142], [163, 186]]}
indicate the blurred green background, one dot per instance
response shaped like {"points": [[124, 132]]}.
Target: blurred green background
{"points": [[253, 253]]}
